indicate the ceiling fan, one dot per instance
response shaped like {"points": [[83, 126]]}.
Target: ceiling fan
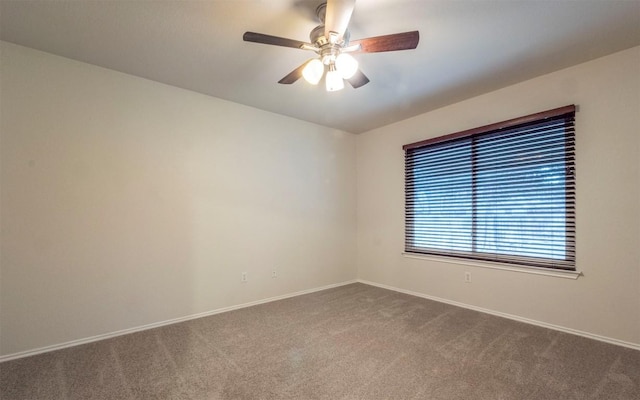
{"points": [[330, 41]]}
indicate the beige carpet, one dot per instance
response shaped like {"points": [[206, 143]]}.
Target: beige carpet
{"points": [[352, 342]]}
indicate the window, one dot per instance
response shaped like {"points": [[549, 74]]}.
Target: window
{"points": [[504, 192]]}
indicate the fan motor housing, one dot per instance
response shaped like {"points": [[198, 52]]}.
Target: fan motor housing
{"points": [[317, 36]]}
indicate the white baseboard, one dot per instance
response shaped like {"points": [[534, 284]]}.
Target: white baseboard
{"points": [[96, 338], [618, 342]]}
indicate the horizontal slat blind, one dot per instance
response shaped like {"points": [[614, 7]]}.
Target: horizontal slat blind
{"points": [[506, 195]]}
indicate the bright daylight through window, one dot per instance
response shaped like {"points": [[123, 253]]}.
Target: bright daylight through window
{"points": [[503, 192]]}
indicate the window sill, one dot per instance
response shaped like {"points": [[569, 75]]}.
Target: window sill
{"points": [[505, 267]]}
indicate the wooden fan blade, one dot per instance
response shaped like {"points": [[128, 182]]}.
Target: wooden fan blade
{"points": [[274, 40], [396, 41], [337, 17], [359, 79], [294, 75]]}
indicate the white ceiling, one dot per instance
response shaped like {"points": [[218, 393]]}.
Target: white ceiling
{"points": [[467, 47]]}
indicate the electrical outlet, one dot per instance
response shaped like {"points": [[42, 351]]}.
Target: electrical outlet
{"points": [[274, 274], [244, 277], [467, 277]]}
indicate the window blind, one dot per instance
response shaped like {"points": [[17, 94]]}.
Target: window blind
{"points": [[504, 192]]}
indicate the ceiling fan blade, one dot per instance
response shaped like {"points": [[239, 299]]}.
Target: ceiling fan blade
{"points": [[294, 75], [396, 41], [274, 40], [337, 17], [359, 79]]}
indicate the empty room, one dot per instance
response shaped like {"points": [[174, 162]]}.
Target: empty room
{"points": [[320, 199]]}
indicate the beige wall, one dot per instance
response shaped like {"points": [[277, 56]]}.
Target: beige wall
{"points": [[126, 202], [606, 300]]}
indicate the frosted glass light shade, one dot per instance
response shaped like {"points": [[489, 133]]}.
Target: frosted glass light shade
{"points": [[346, 65], [313, 71], [334, 81]]}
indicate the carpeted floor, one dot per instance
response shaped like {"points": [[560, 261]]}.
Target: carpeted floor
{"points": [[351, 342]]}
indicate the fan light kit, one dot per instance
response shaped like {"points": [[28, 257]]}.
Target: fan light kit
{"points": [[330, 41]]}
